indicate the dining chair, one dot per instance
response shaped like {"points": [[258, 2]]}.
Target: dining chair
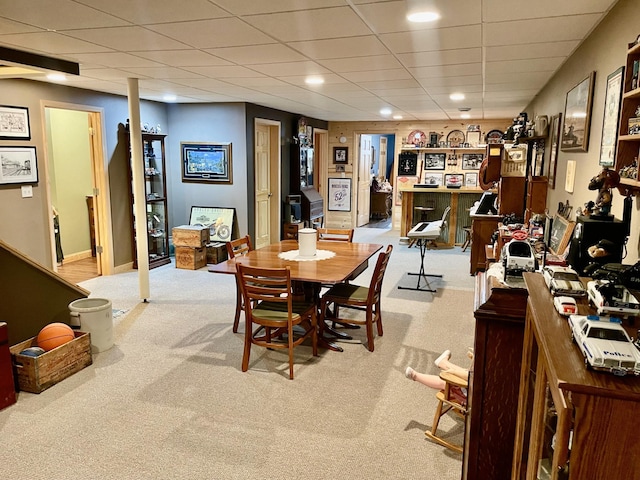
{"points": [[335, 234], [238, 247], [270, 306], [361, 298], [452, 398]]}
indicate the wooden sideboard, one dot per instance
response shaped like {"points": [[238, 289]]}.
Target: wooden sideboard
{"points": [[494, 379], [460, 200], [573, 423], [482, 228]]}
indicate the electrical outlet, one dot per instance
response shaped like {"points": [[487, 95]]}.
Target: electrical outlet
{"points": [[27, 191]]}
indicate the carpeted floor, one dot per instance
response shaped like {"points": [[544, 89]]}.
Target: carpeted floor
{"points": [[169, 400]]}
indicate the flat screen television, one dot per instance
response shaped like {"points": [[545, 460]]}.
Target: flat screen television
{"points": [[487, 205]]}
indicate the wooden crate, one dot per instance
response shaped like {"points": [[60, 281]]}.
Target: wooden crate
{"points": [[190, 236], [216, 252], [36, 374], [191, 258]]}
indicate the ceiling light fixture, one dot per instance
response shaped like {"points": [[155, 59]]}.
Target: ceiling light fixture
{"points": [[423, 17], [56, 77], [314, 81], [385, 111], [169, 98], [457, 96], [397, 117], [465, 115]]}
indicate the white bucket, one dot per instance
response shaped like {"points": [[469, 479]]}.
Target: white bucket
{"points": [[94, 315], [307, 242]]}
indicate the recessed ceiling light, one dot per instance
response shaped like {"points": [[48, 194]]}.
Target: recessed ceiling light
{"points": [[169, 98], [465, 115], [456, 96], [56, 77], [423, 17], [385, 111], [314, 81], [397, 117]]}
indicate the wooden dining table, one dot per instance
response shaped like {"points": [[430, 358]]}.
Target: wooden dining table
{"points": [[349, 258]]}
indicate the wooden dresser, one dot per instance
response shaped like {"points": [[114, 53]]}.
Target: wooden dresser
{"points": [[494, 379]]}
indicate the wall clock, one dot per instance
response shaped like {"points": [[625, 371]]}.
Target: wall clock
{"points": [[417, 137], [456, 138], [407, 164]]}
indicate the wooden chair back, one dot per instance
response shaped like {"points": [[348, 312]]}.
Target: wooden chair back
{"points": [[452, 398], [375, 287], [239, 246], [265, 285], [335, 234]]}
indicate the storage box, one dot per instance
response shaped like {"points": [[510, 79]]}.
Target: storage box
{"points": [[216, 252], [191, 258], [190, 236], [36, 374]]}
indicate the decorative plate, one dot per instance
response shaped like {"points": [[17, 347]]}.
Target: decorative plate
{"points": [[456, 138], [494, 136], [417, 137]]}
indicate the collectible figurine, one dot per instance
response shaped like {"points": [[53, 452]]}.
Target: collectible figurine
{"points": [[604, 182]]}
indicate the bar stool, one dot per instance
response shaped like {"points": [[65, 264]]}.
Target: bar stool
{"points": [[467, 238], [421, 213]]}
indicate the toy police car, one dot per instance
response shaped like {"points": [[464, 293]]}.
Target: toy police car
{"points": [[605, 344], [609, 297], [565, 305], [563, 281], [518, 257]]}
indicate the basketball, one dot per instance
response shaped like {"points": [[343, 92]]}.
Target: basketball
{"points": [[54, 335]]}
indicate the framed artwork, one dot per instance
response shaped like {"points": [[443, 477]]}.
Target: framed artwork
{"points": [[434, 161], [472, 161], [221, 221], [340, 154], [612, 100], [433, 179], [554, 135], [403, 183], [14, 123], [453, 180], [473, 137], [206, 162], [408, 164], [339, 199], [577, 116], [456, 138], [561, 231], [471, 179], [19, 165]]}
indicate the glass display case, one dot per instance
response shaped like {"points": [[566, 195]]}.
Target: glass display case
{"points": [[155, 192]]}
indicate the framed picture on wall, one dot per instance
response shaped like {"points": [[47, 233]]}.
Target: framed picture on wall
{"points": [[339, 198], [611, 116], [433, 179], [434, 161], [340, 154], [471, 179], [14, 123], [472, 161], [577, 116], [19, 165], [556, 122], [206, 162]]}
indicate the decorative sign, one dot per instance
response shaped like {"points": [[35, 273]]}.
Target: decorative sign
{"points": [[339, 194]]}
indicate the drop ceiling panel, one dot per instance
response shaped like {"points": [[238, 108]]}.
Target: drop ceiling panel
{"points": [[359, 64], [447, 70], [555, 29], [155, 11], [252, 7], [501, 10], [441, 57], [341, 47], [253, 54], [435, 39], [530, 50], [183, 58], [50, 43], [290, 68]]}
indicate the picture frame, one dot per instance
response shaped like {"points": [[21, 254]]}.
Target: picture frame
{"points": [[471, 179], [556, 122], [453, 180], [434, 161], [473, 138], [472, 161], [19, 165], [220, 220], [14, 123], [560, 236], [206, 162], [339, 198], [340, 155], [408, 164], [613, 98], [433, 179], [403, 183], [577, 116]]}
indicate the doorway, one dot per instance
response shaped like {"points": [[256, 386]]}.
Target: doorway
{"points": [[76, 183], [375, 159], [267, 182]]}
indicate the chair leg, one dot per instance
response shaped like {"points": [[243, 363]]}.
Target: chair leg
{"points": [[369, 323], [247, 344], [236, 320], [290, 341], [379, 318]]}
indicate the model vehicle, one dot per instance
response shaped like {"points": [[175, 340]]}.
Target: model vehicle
{"points": [[518, 257], [563, 281], [565, 305], [605, 344], [612, 298]]}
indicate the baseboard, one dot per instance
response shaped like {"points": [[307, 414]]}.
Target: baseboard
{"points": [[123, 268], [74, 257]]}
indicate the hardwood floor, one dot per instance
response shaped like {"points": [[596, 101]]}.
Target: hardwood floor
{"points": [[79, 271]]}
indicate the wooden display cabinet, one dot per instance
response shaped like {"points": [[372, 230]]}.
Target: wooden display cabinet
{"points": [[155, 192], [628, 148], [573, 423], [482, 228]]}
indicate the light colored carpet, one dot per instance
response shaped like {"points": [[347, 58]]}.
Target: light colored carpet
{"points": [[169, 400]]}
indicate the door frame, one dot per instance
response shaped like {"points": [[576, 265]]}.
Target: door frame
{"points": [[102, 206], [321, 157], [275, 175]]}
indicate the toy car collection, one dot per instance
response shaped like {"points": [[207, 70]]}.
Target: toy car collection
{"points": [[609, 297], [565, 305], [518, 257], [605, 344], [563, 281]]}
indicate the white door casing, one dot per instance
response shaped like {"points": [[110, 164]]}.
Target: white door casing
{"points": [[262, 187], [364, 181]]}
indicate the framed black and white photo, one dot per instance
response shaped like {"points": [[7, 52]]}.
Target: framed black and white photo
{"points": [[472, 161], [556, 122], [577, 116], [611, 116], [19, 165], [340, 154], [339, 199], [14, 123], [434, 161], [206, 162], [433, 179], [471, 179]]}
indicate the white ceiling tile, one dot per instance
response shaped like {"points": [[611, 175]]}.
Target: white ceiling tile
{"points": [[290, 68], [530, 50], [358, 64], [163, 72], [112, 59], [253, 54], [231, 71], [125, 38], [436, 39], [252, 7], [549, 64], [441, 57], [458, 81], [50, 42], [341, 47], [183, 58], [9, 26], [500, 10], [447, 70], [378, 75], [157, 11]]}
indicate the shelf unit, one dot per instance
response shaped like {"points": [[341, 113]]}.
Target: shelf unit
{"points": [[628, 145], [155, 191]]}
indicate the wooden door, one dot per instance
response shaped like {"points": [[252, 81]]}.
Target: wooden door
{"points": [[262, 186], [382, 162], [364, 180]]}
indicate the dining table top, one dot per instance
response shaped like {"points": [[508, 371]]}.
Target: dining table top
{"points": [[349, 256]]}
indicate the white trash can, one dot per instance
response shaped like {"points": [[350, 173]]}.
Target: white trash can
{"points": [[94, 315]]}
